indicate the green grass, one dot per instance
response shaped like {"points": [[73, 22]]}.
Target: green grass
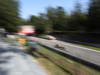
{"points": [[86, 46], [56, 64], [90, 47]]}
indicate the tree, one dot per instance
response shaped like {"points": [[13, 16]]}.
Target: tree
{"points": [[40, 22], [77, 19], [58, 18], [9, 13], [46, 22], [94, 16]]}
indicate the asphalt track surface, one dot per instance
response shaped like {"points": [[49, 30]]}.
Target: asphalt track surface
{"points": [[13, 61], [89, 55]]}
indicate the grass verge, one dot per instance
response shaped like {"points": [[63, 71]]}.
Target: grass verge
{"points": [[56, 64], [90, 47]]}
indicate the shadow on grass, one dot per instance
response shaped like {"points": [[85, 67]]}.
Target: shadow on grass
{"points": [[83, 62], [37, 55]]}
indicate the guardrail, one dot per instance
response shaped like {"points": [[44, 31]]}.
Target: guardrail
{"points": [[82, 55], [81, 61]]}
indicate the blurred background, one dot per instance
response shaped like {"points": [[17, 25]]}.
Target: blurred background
{"points": [[68, 20]]}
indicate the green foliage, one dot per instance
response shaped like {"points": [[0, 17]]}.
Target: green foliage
{"points": [[94, 16], [58, 18], [40, 23], [9, 15], [77, 20]]}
